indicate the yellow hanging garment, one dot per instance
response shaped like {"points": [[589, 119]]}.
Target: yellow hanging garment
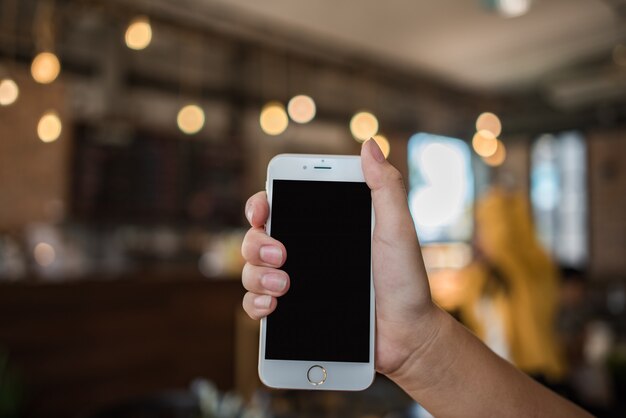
{"points": [[517, 276]]}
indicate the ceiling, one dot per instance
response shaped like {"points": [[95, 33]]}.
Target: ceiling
{"points": [[459, 42]]}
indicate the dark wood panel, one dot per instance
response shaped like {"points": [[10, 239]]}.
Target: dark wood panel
{"points": [[82, 345]]}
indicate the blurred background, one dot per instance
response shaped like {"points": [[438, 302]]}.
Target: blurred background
{"points": [[133, 131]]}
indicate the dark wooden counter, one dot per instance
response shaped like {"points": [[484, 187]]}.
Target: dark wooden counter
{"points": [[80, 345]]}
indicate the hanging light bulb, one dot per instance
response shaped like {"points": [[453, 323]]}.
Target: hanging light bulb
{"points": [[513, 8], [49, 127], [619, 54], [44, 254], [383, 144], [363, 126], [139, 33], [498, 157], [190, 119], [489, 122], [509, 8], [301, 108], [9, 92], [484, 143], [45, 67], [273, 118]]}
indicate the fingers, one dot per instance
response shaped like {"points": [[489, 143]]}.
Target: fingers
{"points": [[264, 255], [264, 280], [388, 194], [258, 306], [260, 249], [264, 284], [257, 209]]}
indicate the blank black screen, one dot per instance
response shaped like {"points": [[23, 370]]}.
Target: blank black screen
{"points": [[326, 229]]}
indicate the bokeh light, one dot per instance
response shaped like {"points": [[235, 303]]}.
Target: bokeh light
{"points": [[45, 67], [619, 55], [513, 8], [139, 33], [490, 122], [273, 118], [49, 127], [485, 143], [9, 92], [363, 126], [44, 254], [383, 144], [190, 119], [498, 157], [301, 108]]}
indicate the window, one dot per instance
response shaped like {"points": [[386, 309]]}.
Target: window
{"points": [[441, 188], [559, 196]]}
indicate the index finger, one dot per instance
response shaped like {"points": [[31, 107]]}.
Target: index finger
{"points": [[257, 209]]}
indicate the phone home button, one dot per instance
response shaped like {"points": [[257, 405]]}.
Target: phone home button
{"points": [[316, 375]]}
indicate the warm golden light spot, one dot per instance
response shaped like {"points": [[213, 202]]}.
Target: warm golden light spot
{"points": [[363, 126], [485, 143], [490, 122], [498, 157], [274, 119], [383, 144], [513, 8], [301, 109], [190, 119], [9, 92], [619, 55], [44, 254], [45, 67], [139, 33], [49, 127]]}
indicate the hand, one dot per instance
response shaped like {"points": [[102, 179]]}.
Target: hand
{"points": [[404, 309], [423, 349]]}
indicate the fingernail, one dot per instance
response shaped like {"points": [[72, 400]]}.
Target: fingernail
{"points": [[249, 213], [273, 281], [375, 151], [272, 255], [262, 302]]}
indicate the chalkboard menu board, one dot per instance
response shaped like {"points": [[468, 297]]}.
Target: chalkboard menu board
{"points": [[150, 177]]}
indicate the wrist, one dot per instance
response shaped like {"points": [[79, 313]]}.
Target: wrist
{"points": [[429, 356]]}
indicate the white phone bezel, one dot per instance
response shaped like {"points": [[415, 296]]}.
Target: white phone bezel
{"points": [[292, 374]]}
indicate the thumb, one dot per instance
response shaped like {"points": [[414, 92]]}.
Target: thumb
{"points": [[393, 219], [399, 275]]}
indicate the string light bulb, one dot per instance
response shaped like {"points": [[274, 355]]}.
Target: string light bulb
{"points": [[512, 8], [273, 119], [490, 122], [139, 33], [49, 127], [498, 157], [383, 144], [190, 119], [301, 108], [363, 126], [619, 55], [45, 67], [485, 143], [44, 254], [9, 92]]}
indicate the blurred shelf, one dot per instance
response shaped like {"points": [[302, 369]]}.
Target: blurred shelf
{"points": [[86, 343]]}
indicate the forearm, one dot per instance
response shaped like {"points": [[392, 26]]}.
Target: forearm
{"points": [[455, 375]]}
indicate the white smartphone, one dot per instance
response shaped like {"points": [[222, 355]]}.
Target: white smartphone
{"points": [[321, 335]]}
